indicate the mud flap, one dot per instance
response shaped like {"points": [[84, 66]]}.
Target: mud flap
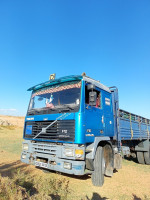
{"points": [[117, 161]]}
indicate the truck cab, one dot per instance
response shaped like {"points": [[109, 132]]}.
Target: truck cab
{"points": [[70, 122]]}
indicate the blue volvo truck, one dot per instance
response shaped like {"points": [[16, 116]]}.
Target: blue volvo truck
{"points": [[74, 126]]}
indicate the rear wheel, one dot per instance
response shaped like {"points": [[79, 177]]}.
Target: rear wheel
{"points": [[99, 168], [147, 156], [140, 157]]}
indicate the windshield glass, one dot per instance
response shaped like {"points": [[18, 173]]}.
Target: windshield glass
{"points": [[60, 96]]}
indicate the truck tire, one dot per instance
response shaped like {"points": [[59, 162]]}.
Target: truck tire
{"points": [[99, 166], [147, 156], [140, 157]]}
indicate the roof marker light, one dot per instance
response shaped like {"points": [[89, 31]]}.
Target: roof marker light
{"points": [[52, 77]]}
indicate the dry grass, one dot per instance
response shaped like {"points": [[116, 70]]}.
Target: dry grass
{"points": [[131, 182], [23, 186], [15, 121]]}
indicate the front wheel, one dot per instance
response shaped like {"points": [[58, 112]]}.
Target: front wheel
{"points": [[99, 168]]}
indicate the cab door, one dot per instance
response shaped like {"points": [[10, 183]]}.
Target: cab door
{"points": [[108, 119], [94, 117]]}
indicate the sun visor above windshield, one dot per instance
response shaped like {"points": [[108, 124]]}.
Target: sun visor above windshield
{"points": [[55, 82], [58, 88]]}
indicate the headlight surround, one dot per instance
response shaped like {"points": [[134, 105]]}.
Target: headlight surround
{"points": [[69, 152], [25, 146]]}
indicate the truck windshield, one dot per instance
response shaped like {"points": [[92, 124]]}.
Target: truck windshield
{"points": [[62, 96]]}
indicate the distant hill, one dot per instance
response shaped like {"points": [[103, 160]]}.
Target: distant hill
{"points": [[11, 121]]}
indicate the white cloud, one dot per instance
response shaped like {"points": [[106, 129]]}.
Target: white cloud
{"points": [[8, 111]]}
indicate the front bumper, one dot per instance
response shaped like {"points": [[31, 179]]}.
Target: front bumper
{"points": [[51, 156]]}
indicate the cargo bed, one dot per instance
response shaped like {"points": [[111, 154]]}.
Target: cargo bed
{"points": [[133, 127]]}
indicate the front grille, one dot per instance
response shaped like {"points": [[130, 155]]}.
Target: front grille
{"points": [[47, 148], [62, 130]]}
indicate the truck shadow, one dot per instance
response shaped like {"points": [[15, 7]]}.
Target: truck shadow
{"points": [[83, 177], [96, 197], [8, 169], [136, 197], [79, 177], [131, 159]]}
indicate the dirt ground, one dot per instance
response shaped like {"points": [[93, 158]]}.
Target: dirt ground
{"points": [[130, 182]]}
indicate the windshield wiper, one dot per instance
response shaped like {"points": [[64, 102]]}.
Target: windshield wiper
{"points": [[47, 108], [66, 108], [69, 107], [60, 109], [31, 112], [35, 111]]}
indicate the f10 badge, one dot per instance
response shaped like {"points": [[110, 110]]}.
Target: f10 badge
{"points": [[65, 131]]}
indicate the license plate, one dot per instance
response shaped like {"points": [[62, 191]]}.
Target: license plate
{"points": [[41, 164]]}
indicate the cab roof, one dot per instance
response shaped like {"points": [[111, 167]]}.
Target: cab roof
{"points": [[68, 79]]}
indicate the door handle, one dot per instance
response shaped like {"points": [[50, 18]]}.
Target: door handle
{"points": [[103, 119]]}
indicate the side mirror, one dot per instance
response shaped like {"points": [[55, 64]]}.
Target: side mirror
{"points": [[92, 98]]}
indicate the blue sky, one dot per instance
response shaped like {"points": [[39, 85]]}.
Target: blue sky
{"points": [[109, 40]]}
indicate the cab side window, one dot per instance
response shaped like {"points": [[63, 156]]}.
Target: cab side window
{"points": [[98, 99]]}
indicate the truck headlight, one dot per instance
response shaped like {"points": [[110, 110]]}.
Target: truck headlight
{"points": [[69, 152], [25, 146], [79, 153]]}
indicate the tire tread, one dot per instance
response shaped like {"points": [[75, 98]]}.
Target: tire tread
{"points": [[97, 175], [147, 156], [140, 157]]}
